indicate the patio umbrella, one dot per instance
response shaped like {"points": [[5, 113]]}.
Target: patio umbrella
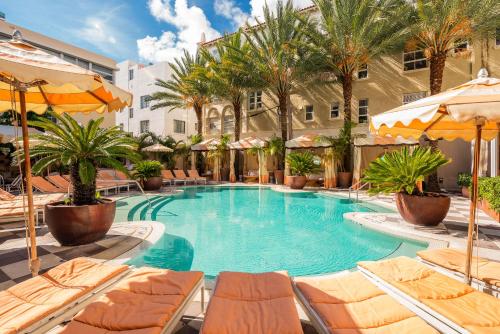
{"points": [[470, 111], [33, 80], [157, 148]]}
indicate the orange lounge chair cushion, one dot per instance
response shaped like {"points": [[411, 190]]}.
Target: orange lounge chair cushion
{"points": [[143, 303], [167, 174], [454, 259], [252, 303], [6, 196], [34, 299], [459, 302], [352, 304], [45, 186]]}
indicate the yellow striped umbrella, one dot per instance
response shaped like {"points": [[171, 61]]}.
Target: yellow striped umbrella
{"points": [[33, 80], [470, 111]]}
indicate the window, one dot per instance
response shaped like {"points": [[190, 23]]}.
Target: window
{"points": [[130, 74], [461, 46], [131, 113], [179, 126], [121, 127], [105, 72], [414, 60], [363, 111], [497, 37], [145, 101], [213, 125], [309, 113], [255, 100], [334, 110], [411, 97], [144, 126], [363, 71], [228, 124]]}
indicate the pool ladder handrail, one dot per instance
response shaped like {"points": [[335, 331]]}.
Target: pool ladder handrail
{"points": [[357, 186]]}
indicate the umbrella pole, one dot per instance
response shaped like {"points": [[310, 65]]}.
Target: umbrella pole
{"points": [[35, 262], [473, 205]]}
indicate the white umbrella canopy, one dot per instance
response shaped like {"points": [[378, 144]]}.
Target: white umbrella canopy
{"points": [[470, 111], [157, 148]]}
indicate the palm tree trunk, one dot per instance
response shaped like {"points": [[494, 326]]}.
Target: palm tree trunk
{"points": [[198, 110], [347, 94], [237, 132], [83, 194], [283, 116], [437, 64]]}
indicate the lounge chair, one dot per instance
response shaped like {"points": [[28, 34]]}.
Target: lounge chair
{"points": [[60, 182], [251, 177], [179, 174], [105, 177], [42, 302], [485, 273], [252, 304], [148, 301], [350, 303], [12, 207], [169, 178], [459, 306], [193, 173], [15, 184], [44, 186]]}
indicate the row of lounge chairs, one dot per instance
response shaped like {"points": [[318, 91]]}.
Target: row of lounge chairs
{"points": [[399, 295], [179, 176]]}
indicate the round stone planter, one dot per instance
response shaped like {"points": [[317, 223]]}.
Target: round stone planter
{"points": [[153, 183], [427, 210], [344, 179], [297, 182]]}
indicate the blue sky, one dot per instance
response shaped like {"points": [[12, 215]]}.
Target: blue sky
{"points": [[142, 30]]}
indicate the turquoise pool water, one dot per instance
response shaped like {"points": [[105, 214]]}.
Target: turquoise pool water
{"points": [[214, 229]]}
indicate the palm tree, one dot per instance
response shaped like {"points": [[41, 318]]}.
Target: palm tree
{"points": [[185, 89], [350, 34], [83, 149], [440, 26]]}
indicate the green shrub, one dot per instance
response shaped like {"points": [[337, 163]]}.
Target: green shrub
{"points": [[489, 190], [147, 169], [399, 171], [301, 163], [464, 180]]}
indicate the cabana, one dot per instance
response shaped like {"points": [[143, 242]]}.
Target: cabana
{"points": [[311, 141], [203, 146], [243, 145], [367, 149]]}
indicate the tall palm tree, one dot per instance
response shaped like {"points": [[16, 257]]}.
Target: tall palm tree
{"points": [[350, 34], [184, 89], [441, 25]]}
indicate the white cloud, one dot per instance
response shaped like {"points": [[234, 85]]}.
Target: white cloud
{"points": [[190, 23], [257, 6], [229, 10]]}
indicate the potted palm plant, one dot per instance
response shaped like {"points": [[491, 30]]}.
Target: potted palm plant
{"points": [[301, 164], [84, 217], [275, 148], [148, 172], [217, 153], [464, 180], [402, 172]]}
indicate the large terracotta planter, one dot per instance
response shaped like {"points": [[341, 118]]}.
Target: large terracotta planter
{"points": [[279, 176], [465, 192], [297, 182], [485, 206], [77, 225], [153, 183], [427, 210], [344, 179]]}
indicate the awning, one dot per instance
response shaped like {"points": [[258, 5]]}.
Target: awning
{"points": [[306, 141], [383, 141], [248, 142], [205, 145]]}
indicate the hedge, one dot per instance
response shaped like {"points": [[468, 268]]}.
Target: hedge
{"points": [[489, 190]]}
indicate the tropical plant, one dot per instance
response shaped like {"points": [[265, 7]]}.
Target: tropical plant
{"points": [[340, 145], [440, 26], [147, 169], [402, 171], [178, 147], [350, 34], [185, 89], [276, 149], [488, 189], [81, 148], [464, 180], [218, 151], [301, 163]]}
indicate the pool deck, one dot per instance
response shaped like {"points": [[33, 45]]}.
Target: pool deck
{"points": [[125, 240]]}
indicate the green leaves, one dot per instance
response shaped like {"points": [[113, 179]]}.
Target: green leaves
{"points": [[301, 163], [147, 169], [399, 171]]}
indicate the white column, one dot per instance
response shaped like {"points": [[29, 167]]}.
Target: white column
{"points": [[494, 157]]}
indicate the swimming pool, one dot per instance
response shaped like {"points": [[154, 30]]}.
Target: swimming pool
{"points": [[256, 229]]}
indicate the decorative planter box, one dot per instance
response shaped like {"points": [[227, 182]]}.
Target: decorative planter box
{"points": [[485, 206]]}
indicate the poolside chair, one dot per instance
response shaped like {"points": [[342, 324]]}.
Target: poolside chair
{"points": [[60, 182], [169, 178], [252, 304], [44, 301], [193, 173], [179, 174], [15, 185], [455, 304], [12, 207], [106, 178], [150, 300], [44, 186], [251, 177], [350, 303], [485, 273]]}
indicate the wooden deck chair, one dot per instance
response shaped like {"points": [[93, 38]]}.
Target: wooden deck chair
{"points": [[193, 173], [12, 207], [44, 186], [107, 178], [169, 178], [179, 174], [150, 300], [252, 303], [461, 308], [349, 302], [41, 302], [60, 182]]}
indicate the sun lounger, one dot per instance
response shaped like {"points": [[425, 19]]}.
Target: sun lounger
{"points": [[179, 174], [485, 273], [106, 178], [13, 208], [193, 173], [169, 178], [40, 303], [459, 306], [44, 186], [350, 303], [252, 304], [60, 182], [148, 301]]}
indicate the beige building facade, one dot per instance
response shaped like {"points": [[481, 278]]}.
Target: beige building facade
{"points": [[386, 83]]}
